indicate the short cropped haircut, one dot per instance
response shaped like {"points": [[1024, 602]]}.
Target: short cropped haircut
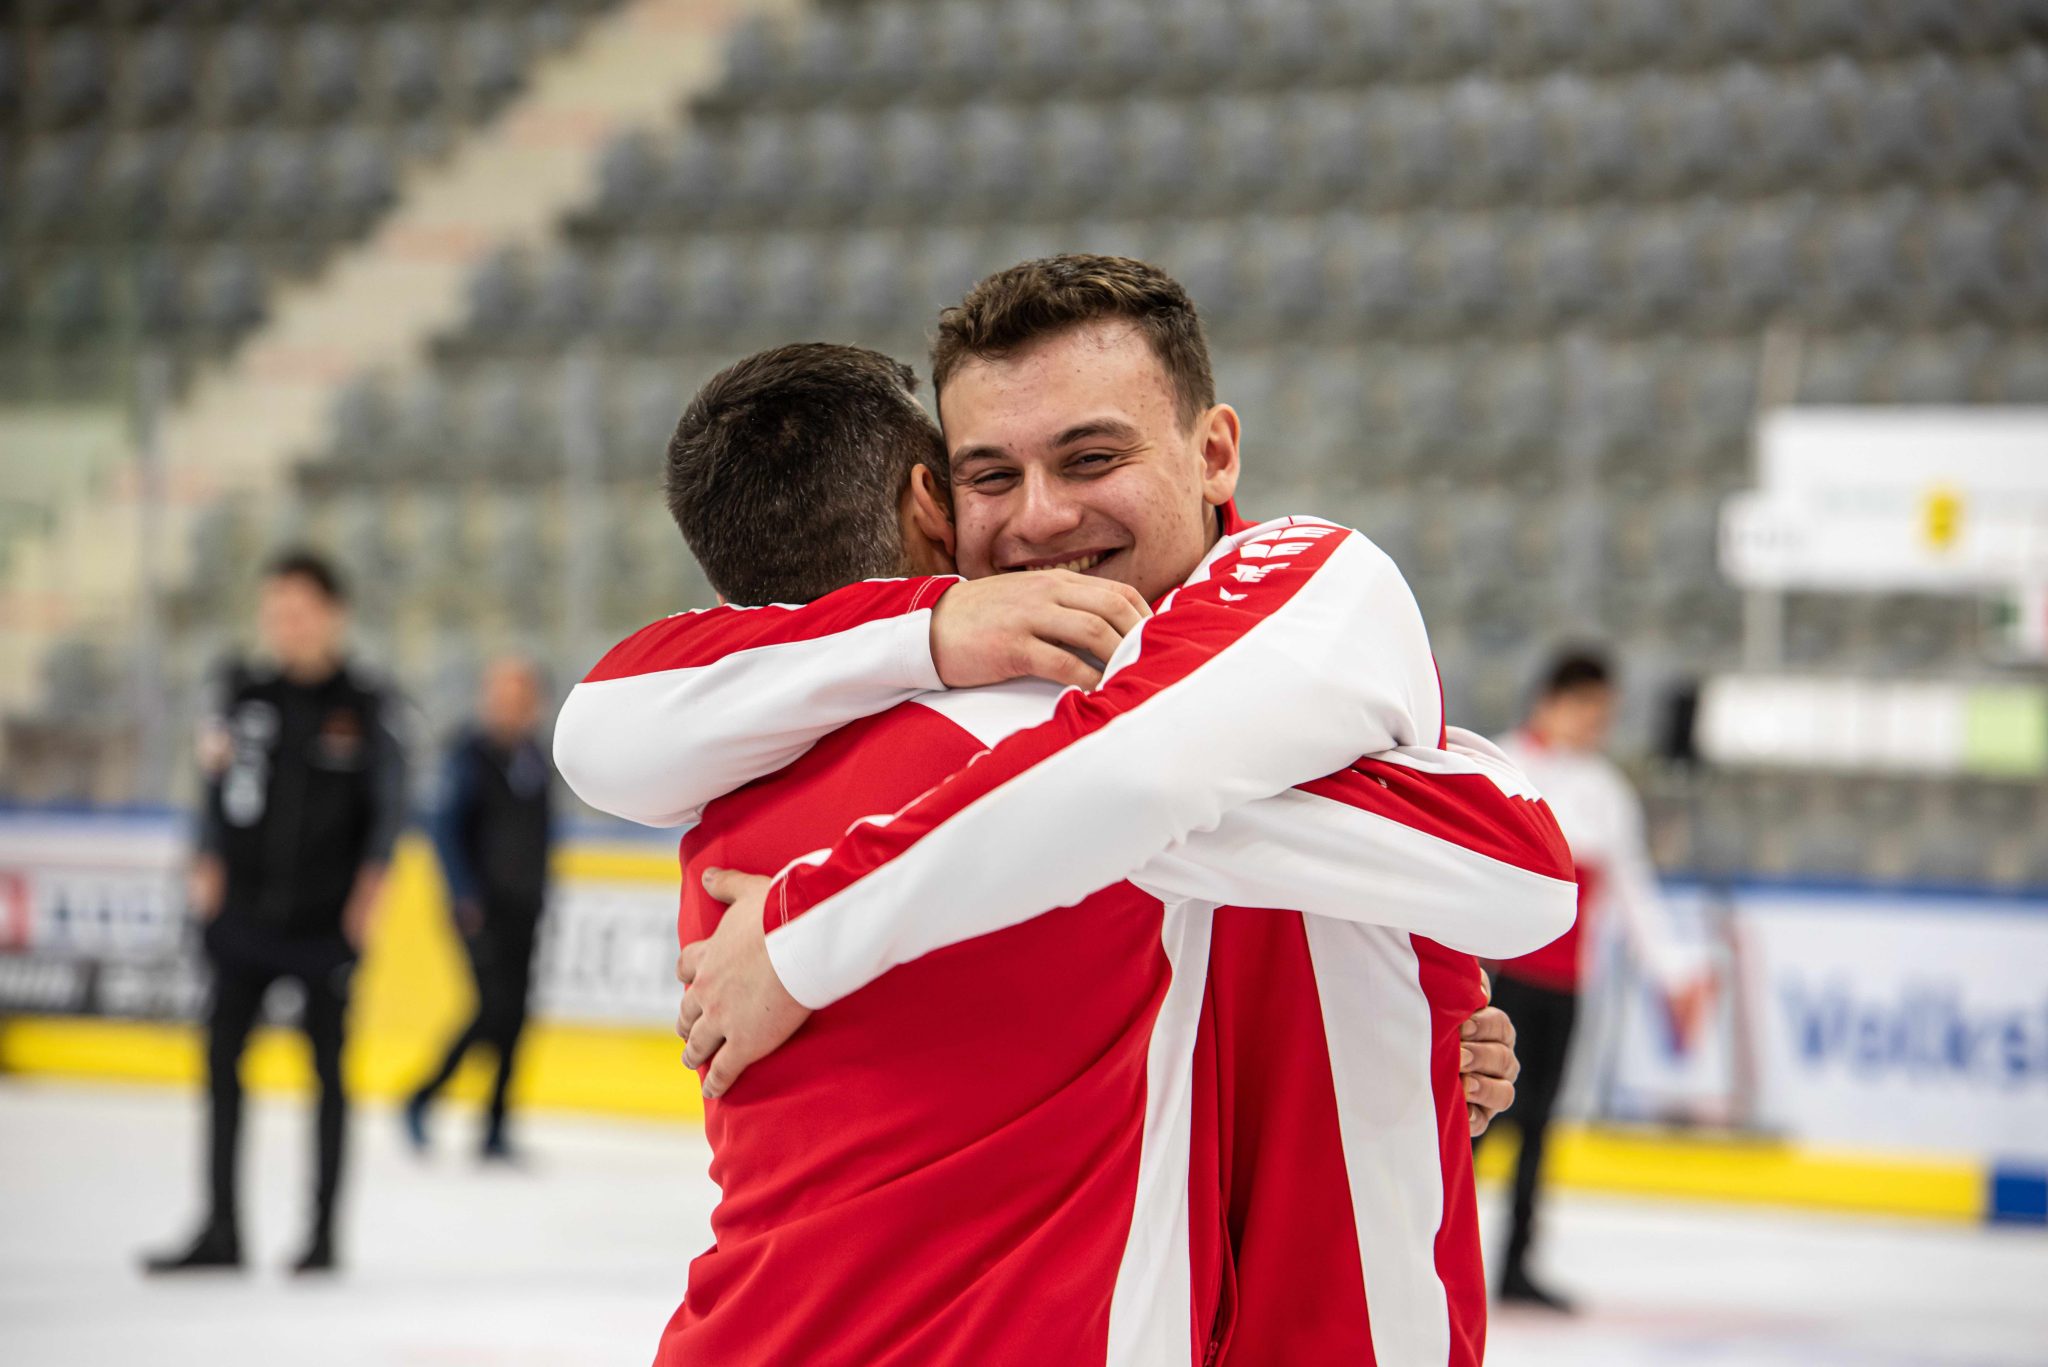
{"points": [[1013, 308], [785, 472], [298, 562], [1576, 668]]}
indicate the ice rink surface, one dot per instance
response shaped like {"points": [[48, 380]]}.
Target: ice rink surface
{"points": [[580, 1258]]}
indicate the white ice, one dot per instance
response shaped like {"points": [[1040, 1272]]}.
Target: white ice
{"points": [[581, 1258]]}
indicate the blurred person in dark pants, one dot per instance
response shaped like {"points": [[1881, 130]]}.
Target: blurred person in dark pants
{"points": [[305, 797], [1560, 746], [493, 834]]}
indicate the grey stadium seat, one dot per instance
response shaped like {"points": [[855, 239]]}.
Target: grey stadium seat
{"points": [[162, 74], [916, 156], [1253, 159], [754, 58], [1163, 152], [498, 295], [217, 182], [691, 180], [869, 289], [790, 283], [492, 52], [363, 425], [1373, 277], [245, 70], [767, 167], [72, 301], [1334, 159], [361, 176], [227, 293], [992, 157], [290, 190], [1079, 158], [713, 286], [408, 61], [55, 181], [159, 295], [639, 296], [74, 72], [563, 296], [502, 425], [892, 49], [841, 155], [970, 46], [329, 67], [628, 172]]}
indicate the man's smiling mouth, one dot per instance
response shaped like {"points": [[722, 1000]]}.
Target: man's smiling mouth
{"points": [[1078, 565]]}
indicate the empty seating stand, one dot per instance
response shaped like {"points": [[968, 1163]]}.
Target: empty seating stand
{"points": [[165, 163]]}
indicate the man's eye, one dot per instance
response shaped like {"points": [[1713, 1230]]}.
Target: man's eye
{"points": [[992, 479], [1093, 458]]}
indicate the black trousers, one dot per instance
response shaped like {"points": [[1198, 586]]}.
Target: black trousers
{"points": [[245, 964], [1543, 1019], [501, 961]]}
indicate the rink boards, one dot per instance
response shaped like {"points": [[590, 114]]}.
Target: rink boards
{"points": [[1885, 1052]]}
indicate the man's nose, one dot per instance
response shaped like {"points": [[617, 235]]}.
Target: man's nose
{"points": [[1048, 512]]}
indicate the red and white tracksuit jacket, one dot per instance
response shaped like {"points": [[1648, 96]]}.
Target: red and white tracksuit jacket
{"points": [[1602, 818], [1334, 1165]]}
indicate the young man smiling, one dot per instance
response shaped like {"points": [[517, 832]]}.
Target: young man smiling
{"points": [[1082, 431]]}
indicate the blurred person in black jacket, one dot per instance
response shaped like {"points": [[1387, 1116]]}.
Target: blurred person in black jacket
{"points": [[493, 833], [305, 797]]}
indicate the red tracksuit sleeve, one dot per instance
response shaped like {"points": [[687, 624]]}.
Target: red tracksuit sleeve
{"points": [[1292, 650], [684, 711], [1449, 842]]}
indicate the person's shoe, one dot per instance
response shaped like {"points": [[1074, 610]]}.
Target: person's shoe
{"points": [[318, 1257], [1516, 1288], [217, 1247], [497, 1153], [414, 1117]]}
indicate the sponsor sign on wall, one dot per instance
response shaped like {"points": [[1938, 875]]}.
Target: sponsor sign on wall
{"points": [[1863, 1019], [92, 918], [93, 921]]}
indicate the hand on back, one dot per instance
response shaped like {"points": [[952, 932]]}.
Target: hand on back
{"points": [[1034, 624]]}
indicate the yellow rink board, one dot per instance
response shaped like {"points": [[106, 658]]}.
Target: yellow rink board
{"points": [[413, 992]]}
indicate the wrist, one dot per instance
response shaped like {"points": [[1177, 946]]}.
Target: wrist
{"points": [[922, 665]]}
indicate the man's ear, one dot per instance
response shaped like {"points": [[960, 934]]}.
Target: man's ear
{"points": [[1218, 431], [931, 508]]}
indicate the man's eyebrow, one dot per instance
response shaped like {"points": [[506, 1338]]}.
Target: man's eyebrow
{"points": [[1116, 429], [967, 455]]}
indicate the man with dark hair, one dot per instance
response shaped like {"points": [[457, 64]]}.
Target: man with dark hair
{"points": [[493, 831], [663, 674], [733, 465], [305, 796], [1560, 745]]}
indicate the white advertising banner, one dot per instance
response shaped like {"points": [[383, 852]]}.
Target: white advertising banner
{"points": [[1861, 1019], [1942, 499], [1900, 1021], [607, 953]]}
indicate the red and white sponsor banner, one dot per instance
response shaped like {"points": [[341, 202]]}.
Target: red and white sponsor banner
{"points": [[93, 922], [92, 917]]}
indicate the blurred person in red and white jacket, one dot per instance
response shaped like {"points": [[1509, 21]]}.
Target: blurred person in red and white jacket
{"points": [[1560, 746]]}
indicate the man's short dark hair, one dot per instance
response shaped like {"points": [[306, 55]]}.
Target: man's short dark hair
{"points": [[1576, 668], [298, 562], [785, 472], [1033, 299]]}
